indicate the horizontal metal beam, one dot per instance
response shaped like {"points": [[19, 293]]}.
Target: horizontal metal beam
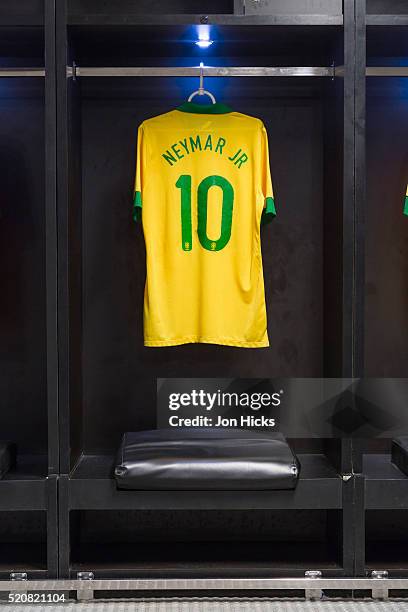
{"points": [[208, 71], [387, 71], [206, 584], [22, 72], [387, 20], [143, 19]]}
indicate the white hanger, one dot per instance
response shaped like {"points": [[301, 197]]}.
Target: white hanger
{"points": [[201, 91]]}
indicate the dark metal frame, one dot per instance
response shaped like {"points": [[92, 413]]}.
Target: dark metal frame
{"points": [[383, 486], [85, 487], [32, 489]]}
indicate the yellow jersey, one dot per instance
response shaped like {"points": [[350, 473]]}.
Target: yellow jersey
{"points": [[202, 189]]}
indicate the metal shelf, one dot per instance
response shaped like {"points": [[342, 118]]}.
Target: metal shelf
{"points": [[25, 486]]}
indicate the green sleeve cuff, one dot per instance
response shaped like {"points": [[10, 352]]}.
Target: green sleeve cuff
{"points": [[406, 205], [269, 212], [137, 206]]}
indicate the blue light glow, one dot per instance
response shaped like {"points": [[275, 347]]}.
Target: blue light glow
{"points": [[204, 41], [204, 44]]}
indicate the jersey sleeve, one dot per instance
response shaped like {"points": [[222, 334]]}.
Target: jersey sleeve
{"points": [[406, 202], [269, 211], [138, 190]]}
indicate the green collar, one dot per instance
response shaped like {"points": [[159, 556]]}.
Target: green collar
{"points": [[206, 109]]}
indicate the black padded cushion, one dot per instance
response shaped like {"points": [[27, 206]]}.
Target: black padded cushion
{"points": [[399, 453], [8, 453], [205, 459]]}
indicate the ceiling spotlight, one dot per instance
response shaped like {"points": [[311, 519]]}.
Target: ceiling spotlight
{"points": [[204, 44], [203, 37]]}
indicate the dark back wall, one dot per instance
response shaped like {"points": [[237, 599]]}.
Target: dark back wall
{"points": [[23, 388], [386, 323]]}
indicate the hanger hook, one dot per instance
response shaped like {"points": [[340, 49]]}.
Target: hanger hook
{"points": [[201, 91]]}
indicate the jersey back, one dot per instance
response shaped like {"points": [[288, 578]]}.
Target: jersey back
{"points": [[202, 189]]}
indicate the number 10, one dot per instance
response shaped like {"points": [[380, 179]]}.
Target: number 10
{"points": [[184, 184]]}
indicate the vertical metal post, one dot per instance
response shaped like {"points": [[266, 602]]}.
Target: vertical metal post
{"points": [[347, 534], [51, 235], [359, 268], [348, 190], [52, 525], [239, 7], [69, 248], [63, 259], [353, 262], [359, 526], [360, 187], [64, 543], [347, 263]]}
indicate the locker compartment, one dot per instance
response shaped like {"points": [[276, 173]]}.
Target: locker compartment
{"points": [[205, 543], [112, 378], [23, 383], [386, 541], [23, 543], [110, 386]]}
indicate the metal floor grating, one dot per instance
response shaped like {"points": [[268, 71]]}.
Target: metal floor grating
{"points": [[213, 605]]}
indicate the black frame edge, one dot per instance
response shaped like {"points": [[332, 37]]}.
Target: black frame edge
{"points": [[51, 237]]}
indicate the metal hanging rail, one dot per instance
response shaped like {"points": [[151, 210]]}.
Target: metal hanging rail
{"points": [[208, 71], [387, 71], [22, 72]]}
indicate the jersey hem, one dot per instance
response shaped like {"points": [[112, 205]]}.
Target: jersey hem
{"points": [[198, 340]]}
